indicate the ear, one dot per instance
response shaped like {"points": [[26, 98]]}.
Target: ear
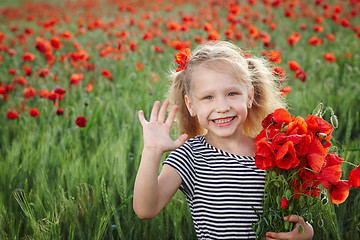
{"points": [[188, 105], [251, 97]]}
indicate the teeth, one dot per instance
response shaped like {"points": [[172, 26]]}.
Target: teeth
{"points": [[223, 120]]}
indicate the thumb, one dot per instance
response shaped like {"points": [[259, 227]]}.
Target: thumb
{"points": [[181, 140], [294, 218]]}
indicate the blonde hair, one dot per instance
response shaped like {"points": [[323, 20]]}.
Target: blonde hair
{"points": [[253, 72]]}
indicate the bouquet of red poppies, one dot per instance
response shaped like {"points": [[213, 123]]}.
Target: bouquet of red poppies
{"points": [[300, 167]]}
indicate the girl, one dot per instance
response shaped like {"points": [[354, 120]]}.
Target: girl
{"points": [[222, 96]]}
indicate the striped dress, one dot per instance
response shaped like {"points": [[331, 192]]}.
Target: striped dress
{"points": [[220, 188]]}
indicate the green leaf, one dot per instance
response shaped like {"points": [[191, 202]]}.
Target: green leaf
{"points": [[301, 228], [302, 201], [287, 224], [288, 194], [309, 200]]}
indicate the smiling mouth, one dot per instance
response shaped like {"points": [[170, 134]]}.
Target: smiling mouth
{"points": [[223, 120]]}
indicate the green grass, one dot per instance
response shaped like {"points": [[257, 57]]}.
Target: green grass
{"points": [[59, 181]]}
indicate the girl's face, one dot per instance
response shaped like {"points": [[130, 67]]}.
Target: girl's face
{"points": [[219, 101]]}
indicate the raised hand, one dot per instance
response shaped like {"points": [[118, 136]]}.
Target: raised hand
{"points": [[156, 131]]}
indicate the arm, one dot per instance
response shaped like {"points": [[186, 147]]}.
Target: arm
{"points": [[153, 192], [308, 233]]}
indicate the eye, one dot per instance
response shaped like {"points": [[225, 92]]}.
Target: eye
{"points": [[233, 94], [208, 97]]}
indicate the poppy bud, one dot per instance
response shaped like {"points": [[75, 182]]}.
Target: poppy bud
{"points": [[322, 135], [334, 121]]}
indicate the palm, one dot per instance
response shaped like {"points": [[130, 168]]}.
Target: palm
{"points": [[156, 131]]}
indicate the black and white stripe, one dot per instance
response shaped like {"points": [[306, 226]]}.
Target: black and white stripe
{"points": [[220, 188]]}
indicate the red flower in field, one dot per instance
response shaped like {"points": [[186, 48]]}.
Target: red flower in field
{"points": [[330, 36], [253, 31], [20, 80], [318, 28], [55, 43], [81, 121], [34, 112], [265, 156], [60, 90], [274, 56], [158, 49], [44, 72], [28, 57], [12, 71], [294, 38], [329, 57], [344, 22], [29, 92], [301, 75], [315, 41], [339, 192], [285, 90], [133, 46], [66, 35], [354, 177], [75, 78], [12, 114], [182, 58], [106, 73], [286, 156], [293, 65], [139, 66], [60, 112], [27, 70], [213, 35], [284, 203], [279, 71], [42, 45], [89, 87]]}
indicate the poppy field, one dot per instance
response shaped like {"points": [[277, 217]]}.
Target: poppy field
{"points": [[73, 75]]}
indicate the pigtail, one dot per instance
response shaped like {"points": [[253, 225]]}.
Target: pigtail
{"points": [[267, 95], [185, 122]]}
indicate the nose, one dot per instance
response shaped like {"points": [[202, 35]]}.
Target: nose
{"points": [[222, 105]]}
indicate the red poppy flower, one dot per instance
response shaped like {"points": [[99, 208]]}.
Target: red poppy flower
{"points": [[89, 87], [297, 126], [28, 57], [182, 58], [34, 112], [284, 203], [354, 177], [330, 175], [286, 156], [12, 114], [301, 143], [280, 117], [332, 159], [293, 65], [301, 75], [329, 57], [43, 72], [265, 156], [316, 155], [60, 90], [339, 192], [318, 125], [60, 112], [81, 121]]}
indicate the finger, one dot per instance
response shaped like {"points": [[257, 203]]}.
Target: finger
{"points": [[141, 117], [154, 111], [294, 218], [181, 140], [163, 109], [279, 235], [171, 117]]}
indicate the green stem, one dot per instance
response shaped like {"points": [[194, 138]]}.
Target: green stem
{"points": [[312, 170], [267, 137], [350, 163]]}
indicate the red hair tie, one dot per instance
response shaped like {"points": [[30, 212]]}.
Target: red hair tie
{"points": [[182, 58]]}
